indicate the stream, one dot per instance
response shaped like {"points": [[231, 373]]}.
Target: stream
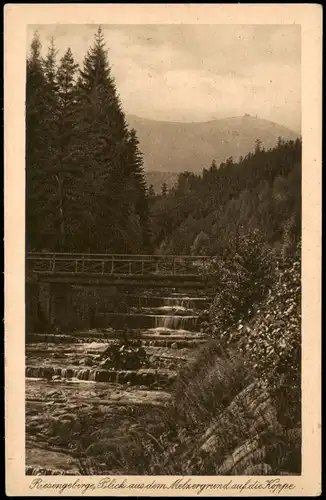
{"points": [[63, 377]]}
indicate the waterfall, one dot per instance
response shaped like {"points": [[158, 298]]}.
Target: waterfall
{"points": [[170, 320], [146, 377], [178, 305], [175, 322], [185, 302]]}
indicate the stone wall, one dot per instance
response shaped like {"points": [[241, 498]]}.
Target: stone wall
{"points": [[31, 305], [54, 307]]}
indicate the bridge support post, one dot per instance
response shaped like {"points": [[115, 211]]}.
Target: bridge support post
{"points": [[32, 307], [66, 307], [42, 299], [66, 310], [56, 307]]}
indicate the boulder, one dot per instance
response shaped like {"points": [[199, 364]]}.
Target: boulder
{"points": [[86, 362], [104, 376]]}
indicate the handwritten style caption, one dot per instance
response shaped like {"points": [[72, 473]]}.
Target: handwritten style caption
{"points": [[273, 486]]}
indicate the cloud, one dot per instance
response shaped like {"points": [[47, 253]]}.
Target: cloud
{"points": [[197, 72]]}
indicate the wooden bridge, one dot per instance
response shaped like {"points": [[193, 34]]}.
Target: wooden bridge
{"points": [[117, 269], [55, 282]]}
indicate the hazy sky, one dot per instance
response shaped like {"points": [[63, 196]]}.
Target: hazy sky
{"points": [[197, 72]]}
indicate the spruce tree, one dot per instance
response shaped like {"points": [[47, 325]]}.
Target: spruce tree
{"points": [[102, 135], [151, 191], [65, 168], [164, 189], [107, 155], [213, 167], [36, 143], [141, 202], [52, 151], [42, 147]]}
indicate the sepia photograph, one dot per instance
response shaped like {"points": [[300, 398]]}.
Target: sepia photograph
{"points": [[163, 209], [163, 232]]}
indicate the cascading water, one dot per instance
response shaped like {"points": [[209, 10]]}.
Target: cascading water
{"points": [[185, 302], [180, 314], [176, 322], [160, 320], [65, 374]]}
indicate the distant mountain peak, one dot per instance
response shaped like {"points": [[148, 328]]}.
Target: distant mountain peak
{"points": [[179, 146]]}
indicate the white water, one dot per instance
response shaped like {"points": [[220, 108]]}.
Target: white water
{"points": [[175, 319], [159, 330], [182, 301], [173, 308], [176, 322], [176, 305]]}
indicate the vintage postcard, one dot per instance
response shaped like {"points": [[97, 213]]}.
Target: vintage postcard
{"points": [[163, 249]]}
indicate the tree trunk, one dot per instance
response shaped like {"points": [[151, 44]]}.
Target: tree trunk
{"points": [[62, 238]]}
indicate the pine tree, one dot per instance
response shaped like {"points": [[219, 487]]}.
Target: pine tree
{"points": [[258, 146], [52, 152], [50, 68], [164, 189], [280, 142], [213, 167], [151, 191], [36, 144], [106, 153], [65, 168], [141, 206], [43, 146], [101, 150]]}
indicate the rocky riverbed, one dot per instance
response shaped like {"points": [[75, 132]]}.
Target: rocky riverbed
{"points": [[67, 381]]}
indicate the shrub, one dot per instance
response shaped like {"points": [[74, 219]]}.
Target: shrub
{"points": [[272, 343], [241, 281], [260, 314]]}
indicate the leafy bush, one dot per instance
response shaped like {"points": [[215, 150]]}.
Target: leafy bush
{"points": [[272, 343], [241, 280], [257, 308]]}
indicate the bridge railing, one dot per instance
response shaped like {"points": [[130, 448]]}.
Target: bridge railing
{"points": [[104, 264]]}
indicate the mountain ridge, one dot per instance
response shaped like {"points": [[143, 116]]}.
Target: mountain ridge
{"points": [[143, 118], [174, 147]]}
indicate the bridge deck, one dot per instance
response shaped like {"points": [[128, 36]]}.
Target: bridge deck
{"points": [[75, 266]]}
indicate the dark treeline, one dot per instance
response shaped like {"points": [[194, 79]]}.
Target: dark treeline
{"points": [[262, 191], [86, 190]]}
